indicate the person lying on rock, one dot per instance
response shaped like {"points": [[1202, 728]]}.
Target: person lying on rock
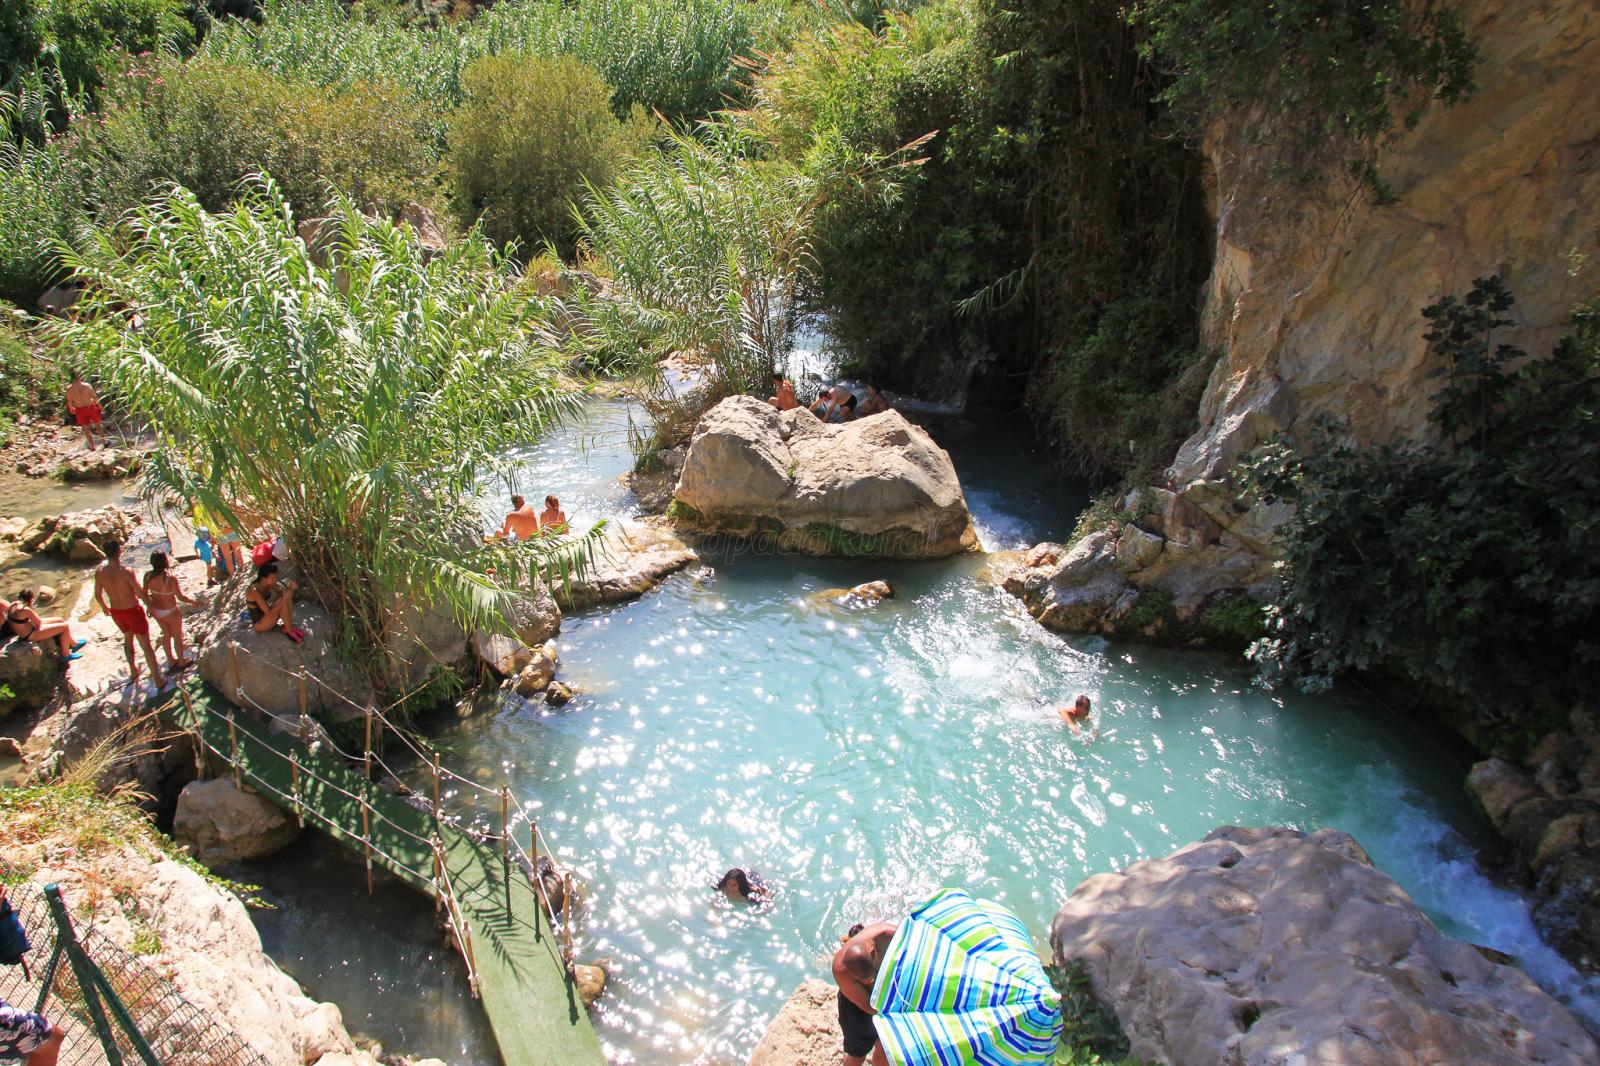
{"points": [[120, 595], [1077, 713], [163, 592], [855, 970], [743, 886], [522, 523], [785, 400], [876, 403], [84, 406], [553, 520], [28, 1037], [25, 622], [271, 605]]}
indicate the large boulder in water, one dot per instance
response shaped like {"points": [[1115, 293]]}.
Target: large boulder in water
{"points": [[31, 671], [1261, 947], [878, 486]]}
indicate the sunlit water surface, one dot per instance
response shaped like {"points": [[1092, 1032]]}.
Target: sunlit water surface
{"points": [[859, 759]]}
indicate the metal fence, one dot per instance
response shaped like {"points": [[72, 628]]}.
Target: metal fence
{"points": [[113, 1006]]}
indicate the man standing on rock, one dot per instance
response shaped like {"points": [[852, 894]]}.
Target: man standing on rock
{"points": [[120, 595], [84, 405], [522, 522], [855, 969]]}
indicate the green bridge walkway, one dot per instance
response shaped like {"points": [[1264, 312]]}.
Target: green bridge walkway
{"points": [[514, 959]]}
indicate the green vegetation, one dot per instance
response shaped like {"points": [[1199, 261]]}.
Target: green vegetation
{"points": [[529, 136], [682, 512], [1329, 72], [1234, 621], [77, 40], [850, 545], [1465, 569], [30, 383], [41, 190], [208, 126], [1090, 1032], [1153, 605], [360, 415]]}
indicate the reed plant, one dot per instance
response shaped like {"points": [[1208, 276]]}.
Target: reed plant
{"points": [[355, 408], [41, 191]]}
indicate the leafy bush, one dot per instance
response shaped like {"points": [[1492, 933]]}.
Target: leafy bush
{"points": [[30, 383], [208, 125], [1467, 569], [528, 136], [1090, 1032], [78, 37], [358, 418], [1327, 69], [41, 201]]}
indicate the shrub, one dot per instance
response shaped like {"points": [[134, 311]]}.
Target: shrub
{"points": [[207, 126], [361, 418], [1468, 569], [30, 383], [530, 133], [79, 37]]}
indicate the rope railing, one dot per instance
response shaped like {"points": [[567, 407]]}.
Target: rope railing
{"points": [[310, 732]]}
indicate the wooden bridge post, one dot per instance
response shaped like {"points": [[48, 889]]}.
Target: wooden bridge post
{"points": [[195, 735], [566, 920], [436, 788], [538, 884], [233, 656], [366, 754], [233, 752], [302, 705], [505, 824], [438, 874], [366, 836], [299, 809]]}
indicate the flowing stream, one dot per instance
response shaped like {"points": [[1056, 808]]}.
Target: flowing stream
{"points": [[860, 759]]}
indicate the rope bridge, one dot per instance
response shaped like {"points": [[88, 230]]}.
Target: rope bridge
{"points": [[516, 941]]}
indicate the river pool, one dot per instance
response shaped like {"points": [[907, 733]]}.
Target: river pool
{"points": [[860, 759]]}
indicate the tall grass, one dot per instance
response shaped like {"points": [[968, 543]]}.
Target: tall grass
{"points": [[41, 192]]}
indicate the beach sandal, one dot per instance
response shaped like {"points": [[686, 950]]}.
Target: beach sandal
{"points": [[293, 634], [74, 657], [80, 644]]}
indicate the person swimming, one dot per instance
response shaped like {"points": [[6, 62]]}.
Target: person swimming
{"points": [[743, 886], [1078, 712]]}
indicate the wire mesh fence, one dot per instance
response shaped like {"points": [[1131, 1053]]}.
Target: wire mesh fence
{"points": [[96, 992]]}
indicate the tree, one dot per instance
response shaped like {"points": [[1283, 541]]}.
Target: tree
{"points": [[356, 408]]}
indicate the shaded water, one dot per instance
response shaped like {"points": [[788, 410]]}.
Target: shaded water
{"points": [[860, 759]]}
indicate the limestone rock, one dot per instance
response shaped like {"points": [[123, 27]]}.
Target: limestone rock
{"points": [[537, 675], [805, 1032], [558, 694], [632, 558], [32, 671], [77, 537], [875, 487], [591, 982], [103, 464], [1498, 787], [1275, 946], [221, 824], [504, 655]]}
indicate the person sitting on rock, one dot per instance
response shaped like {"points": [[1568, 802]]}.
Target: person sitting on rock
{"points": [[785, 400], [163, 593], [84, 406], [855, 970], [553, 520], [1078, 712], [271, 605], [522, 523], [876, 403], [743, 886], [25, 622]]}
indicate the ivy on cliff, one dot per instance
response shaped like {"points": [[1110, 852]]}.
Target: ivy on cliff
{"points": [[1469, 569]]}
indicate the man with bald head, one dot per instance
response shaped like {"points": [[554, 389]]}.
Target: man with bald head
{"points": [[855, 969]]}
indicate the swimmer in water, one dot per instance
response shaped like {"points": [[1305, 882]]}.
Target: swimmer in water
{"points": [[742, 887], [1078, 712]]}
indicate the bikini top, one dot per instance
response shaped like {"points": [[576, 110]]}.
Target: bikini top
{"points": [[17, 625]]}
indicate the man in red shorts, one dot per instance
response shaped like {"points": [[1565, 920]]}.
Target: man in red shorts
{"points": [[120, 595], [84, 404]]}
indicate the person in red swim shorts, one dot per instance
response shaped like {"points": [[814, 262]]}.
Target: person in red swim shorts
{"points": [[120, 595], [84, 404]]}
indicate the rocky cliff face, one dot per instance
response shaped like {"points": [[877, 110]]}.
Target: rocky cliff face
{"points": [[1314, 303]]}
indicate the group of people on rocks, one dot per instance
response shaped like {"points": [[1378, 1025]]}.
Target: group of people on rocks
{"points": [[833, 404]]}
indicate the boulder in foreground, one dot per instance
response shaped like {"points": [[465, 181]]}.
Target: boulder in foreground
{"points": [[1264, 947], [805, 1032], [878, 486]]}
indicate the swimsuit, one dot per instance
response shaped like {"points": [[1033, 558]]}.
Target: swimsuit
{"points": [[87, 415], [21, 1032], [130, 620], [16, 625], [860, 1037]]}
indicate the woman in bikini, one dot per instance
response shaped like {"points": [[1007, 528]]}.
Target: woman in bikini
{"points": [[272, 605], [553, 520], [163, 593], [24, 622]]}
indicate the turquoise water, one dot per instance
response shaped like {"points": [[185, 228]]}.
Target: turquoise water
{"points": [[860, 759]]}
